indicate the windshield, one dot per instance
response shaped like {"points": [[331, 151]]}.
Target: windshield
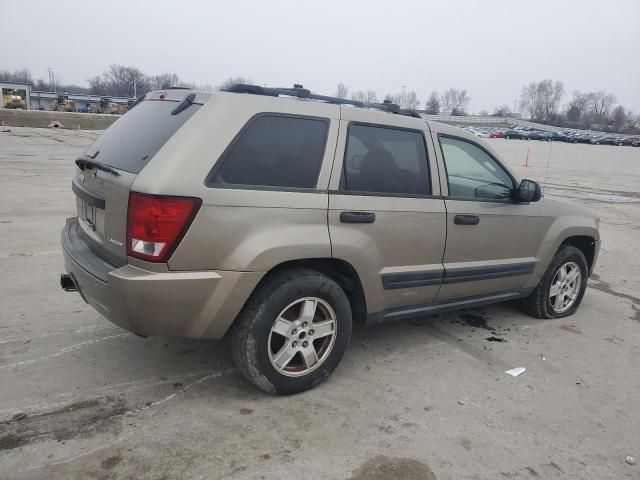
{"points": [[136, 137]]}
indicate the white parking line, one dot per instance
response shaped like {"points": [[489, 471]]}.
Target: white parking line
{"points": [[65, 350]]}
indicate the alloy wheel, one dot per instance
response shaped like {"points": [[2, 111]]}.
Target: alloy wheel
{"points": [[565, 287], [302, 337]]}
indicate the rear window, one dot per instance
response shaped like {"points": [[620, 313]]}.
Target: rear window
{"points": [[136, 137], [274, 151]]}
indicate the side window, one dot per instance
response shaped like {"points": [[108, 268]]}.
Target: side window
{"points": [[472, 172], [275, 151], [385, 160]]}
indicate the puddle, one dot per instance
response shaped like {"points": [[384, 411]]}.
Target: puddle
{"points": [[603, 197], [393, 468], [474, 320]]}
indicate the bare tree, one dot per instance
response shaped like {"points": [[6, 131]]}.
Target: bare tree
{"points": [[455, 101], [410, 100], [541, 99], [619, 117], [365, 97], [125, 81], [502, 111], [580, 101], [98, 85], [163, 81], [22, 75], [404, 100], [231, 81], [552, 95], [432, 107], [600, 105], [342, 91]]}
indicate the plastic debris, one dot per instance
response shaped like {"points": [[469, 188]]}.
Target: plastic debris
{"points": [[630, 460], [514, 372]]}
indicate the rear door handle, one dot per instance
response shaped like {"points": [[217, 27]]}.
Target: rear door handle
{"points": [[357, 217], [466, 220]]}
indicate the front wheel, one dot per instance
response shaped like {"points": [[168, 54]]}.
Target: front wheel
{"points": [[561, 288], [292, 332]]}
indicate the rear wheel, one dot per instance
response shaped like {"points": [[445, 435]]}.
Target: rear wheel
{"points": [[562, 287], [293, 331]]}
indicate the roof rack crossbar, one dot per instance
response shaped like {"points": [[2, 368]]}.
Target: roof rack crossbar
{"points": [[300, 92]]}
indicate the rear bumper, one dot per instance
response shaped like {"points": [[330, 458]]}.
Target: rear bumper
{"points": [[185, 304]]}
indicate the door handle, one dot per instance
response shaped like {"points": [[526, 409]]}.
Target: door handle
{"points": [[466, 220], [357, 217]]}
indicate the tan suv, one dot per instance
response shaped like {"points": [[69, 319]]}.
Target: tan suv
{"points": [[279, 216]]}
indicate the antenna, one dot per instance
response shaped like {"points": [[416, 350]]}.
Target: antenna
{"points": [[546, 173]]}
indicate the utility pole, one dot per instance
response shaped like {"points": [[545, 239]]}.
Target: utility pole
{"points": [[52, 80], [134, 89], [514, 107], [402, 98]]}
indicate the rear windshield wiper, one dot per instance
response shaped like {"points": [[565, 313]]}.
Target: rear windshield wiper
{"points": [[184, 104], [84, 163]]}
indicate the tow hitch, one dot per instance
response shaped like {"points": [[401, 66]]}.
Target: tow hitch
{"points": [[67, 283]]}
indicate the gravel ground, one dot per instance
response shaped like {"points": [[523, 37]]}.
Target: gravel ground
{"points": [[425, 399]]}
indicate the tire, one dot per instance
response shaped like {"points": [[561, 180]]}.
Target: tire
{"points": [[538, 304], [256, 347], [508, 137]]}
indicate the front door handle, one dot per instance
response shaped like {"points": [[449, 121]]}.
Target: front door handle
{"points": [[357, 217], [466, 220]]}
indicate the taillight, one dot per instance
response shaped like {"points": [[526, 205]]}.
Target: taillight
{"points": [[156, 224]]}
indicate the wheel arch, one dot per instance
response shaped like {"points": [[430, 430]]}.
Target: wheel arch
{"points": [[340, 271], [586, 244]]}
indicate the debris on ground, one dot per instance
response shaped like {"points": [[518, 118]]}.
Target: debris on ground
{"points": [[514, 372], [19, 416], [496, 339], [55, 124], [630, 460]]}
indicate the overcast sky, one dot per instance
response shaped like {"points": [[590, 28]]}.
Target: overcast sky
{"points": [[491, 48]]}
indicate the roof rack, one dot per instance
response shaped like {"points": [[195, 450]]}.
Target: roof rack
{"points": [[301, 92]]}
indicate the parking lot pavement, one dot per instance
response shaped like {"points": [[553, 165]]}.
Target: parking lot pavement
{"points": [[81, 398]]}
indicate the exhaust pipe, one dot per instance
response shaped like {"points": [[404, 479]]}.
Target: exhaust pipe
{"points": [[67, 283]]}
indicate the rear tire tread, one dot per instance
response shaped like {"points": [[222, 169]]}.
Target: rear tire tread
{"points": [[244, 344]]}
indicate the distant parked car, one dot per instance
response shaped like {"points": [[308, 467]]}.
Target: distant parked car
{"points": [[497, 134], [578, 138], [532, 135], [553, 136], [628, 141], [636, 143], [606, 140], [482, 133], [513, 134]]}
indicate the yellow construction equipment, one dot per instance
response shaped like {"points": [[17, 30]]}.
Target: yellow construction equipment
{"points": [[109, 107], [13, 99], [64, 104]]}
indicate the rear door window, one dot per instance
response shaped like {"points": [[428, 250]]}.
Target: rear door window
{"points": [[137, 136], [274, 151], [386, 161]]}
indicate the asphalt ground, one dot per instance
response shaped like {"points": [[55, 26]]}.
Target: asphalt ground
{"points": [[421, 399]]}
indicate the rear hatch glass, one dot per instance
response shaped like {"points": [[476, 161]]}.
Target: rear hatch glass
{"points": [[126, 147], [136, 137]]}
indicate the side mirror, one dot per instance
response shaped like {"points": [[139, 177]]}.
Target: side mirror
{"points": [[528, 191]]}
